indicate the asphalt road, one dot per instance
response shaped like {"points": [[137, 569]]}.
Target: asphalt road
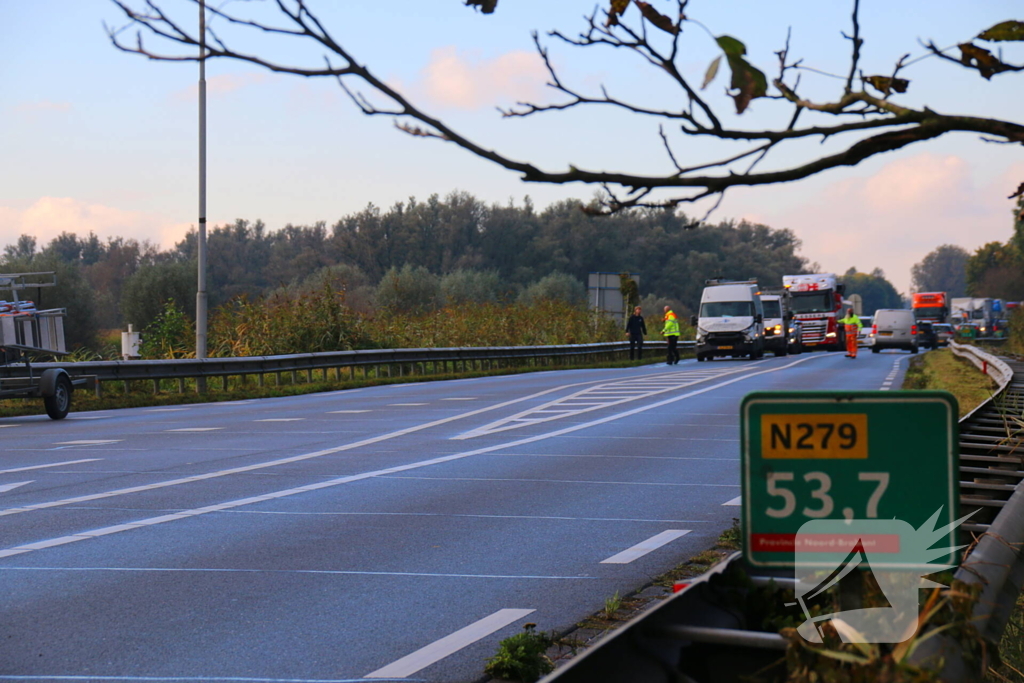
{"points": [[395, 533]]}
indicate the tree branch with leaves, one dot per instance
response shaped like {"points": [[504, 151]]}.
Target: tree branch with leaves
{"points": [[864, 111]]}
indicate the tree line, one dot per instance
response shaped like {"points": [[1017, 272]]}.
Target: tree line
{"points": [[415, 256]]}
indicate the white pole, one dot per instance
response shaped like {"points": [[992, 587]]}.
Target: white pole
{"points": [[201, 292]]}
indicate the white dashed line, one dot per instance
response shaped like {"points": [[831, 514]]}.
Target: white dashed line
{"points": [[4, 426], [468, 398], [4, 488], [644, 547], [166, 410], [281, 419], [439, 649], [195, 429], [88, 442], [337, 412], [738, 500], [53, 464], [407, 404]]}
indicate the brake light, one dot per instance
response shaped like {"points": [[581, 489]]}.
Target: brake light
{"points": [[913, 329], [874, 329]]}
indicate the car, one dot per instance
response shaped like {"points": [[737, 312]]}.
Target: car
{"points": [[894, 328], [943, 333], [864, 337]]}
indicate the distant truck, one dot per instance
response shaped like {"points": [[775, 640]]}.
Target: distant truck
{"points": [[984, 313], [730, 321], [816, 302], [930, 307]]}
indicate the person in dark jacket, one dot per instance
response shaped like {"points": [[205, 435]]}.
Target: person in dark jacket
{"points": [[636, 329]]}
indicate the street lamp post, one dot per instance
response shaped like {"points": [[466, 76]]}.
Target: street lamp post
{"points": [[201, 291]]}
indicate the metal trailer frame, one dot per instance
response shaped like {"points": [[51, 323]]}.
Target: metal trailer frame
{"points": [[26, 335]]}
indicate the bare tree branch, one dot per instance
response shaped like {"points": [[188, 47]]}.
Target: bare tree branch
{"points": [[883, 125]]}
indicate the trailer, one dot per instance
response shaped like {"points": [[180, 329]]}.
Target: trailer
{"points": [[27, 334]]}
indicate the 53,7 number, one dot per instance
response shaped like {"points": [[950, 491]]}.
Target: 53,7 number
{"points": [[824, 505]]}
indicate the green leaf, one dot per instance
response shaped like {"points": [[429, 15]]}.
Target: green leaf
{"points": [[731, 47], [1007, 30], [748, 81], [711, 72]]}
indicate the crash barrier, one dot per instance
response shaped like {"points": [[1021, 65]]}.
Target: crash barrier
{"points": [[376, 362], [992, 366], [713, 629]]}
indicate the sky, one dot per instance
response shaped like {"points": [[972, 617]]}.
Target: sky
{"points": [[94, 139]]}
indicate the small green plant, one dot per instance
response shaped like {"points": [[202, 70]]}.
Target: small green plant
{"points": [[730, 538], [611, 606], [522, 657]]}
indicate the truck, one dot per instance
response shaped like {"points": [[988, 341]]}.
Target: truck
{"points": [[816, 301], [931, 307], [28, 333], [982, 313], [730, 321]]}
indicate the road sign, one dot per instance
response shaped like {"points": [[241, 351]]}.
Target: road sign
{"points": [[844, 455]]}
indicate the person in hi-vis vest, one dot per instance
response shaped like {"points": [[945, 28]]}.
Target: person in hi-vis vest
{"points": [[853, 325]]}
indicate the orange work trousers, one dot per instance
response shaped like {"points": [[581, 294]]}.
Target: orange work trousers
{"points": [[851, 341]]}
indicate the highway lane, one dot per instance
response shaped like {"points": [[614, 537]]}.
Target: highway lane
{"points": [[332, 536]]}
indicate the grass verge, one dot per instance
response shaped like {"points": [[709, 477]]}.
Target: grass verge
{"points": [[241, 390], [942, 370]]}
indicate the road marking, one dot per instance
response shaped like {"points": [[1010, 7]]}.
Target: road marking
{"points": [[4, 426], [644, 547], [335, 412], [88, 442], [88, 417], [564, 481], [17, 550], [738, 500], [439, 649], [194, 429], [455, 514], [4, 488], [166, 410], [281, 419], [53, 464], [604, 395], [407, 404], [341, 572], [466, 398], [281, 461]]}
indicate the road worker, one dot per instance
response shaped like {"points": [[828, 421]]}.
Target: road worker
{"points": [[671, 335], [853, 325]]}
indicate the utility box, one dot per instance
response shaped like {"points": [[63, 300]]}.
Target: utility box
{"points": [[130, 344]]}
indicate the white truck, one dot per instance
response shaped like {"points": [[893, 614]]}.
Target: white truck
{"points": [[779, 335], [730, 321]]}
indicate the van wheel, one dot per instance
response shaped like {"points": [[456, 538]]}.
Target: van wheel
{"points": [[780, 352], [875, 349], [913, 349], [700, 357]]}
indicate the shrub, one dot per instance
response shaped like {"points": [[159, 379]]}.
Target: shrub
{"points": [[522, 657]]}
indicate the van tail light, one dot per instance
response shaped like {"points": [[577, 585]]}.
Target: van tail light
{"points": [[913, 329], [874, 330]]}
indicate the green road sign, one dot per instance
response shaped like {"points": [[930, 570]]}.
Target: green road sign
{"points": [[861, 455]]}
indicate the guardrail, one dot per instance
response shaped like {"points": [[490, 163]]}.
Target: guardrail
{"points": [[378, 362], [704, 634]]}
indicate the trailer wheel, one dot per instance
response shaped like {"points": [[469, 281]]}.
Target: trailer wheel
{"points": [[59, 404]]}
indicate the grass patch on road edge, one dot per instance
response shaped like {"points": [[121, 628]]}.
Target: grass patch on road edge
{"points": [[943, 371], [587, 632]]}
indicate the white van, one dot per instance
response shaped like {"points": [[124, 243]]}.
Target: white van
{"points": [[894, 329], [731, 320]]}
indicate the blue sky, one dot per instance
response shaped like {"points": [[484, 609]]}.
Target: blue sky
{"points": [[95, 139]]}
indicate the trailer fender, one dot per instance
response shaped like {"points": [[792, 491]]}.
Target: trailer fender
{"points": [[48, 381]]}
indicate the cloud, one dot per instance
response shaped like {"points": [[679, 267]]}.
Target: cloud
{"points": [[40, 106], [464, 80], [48, 217], [893, 218], [220, 85]]}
